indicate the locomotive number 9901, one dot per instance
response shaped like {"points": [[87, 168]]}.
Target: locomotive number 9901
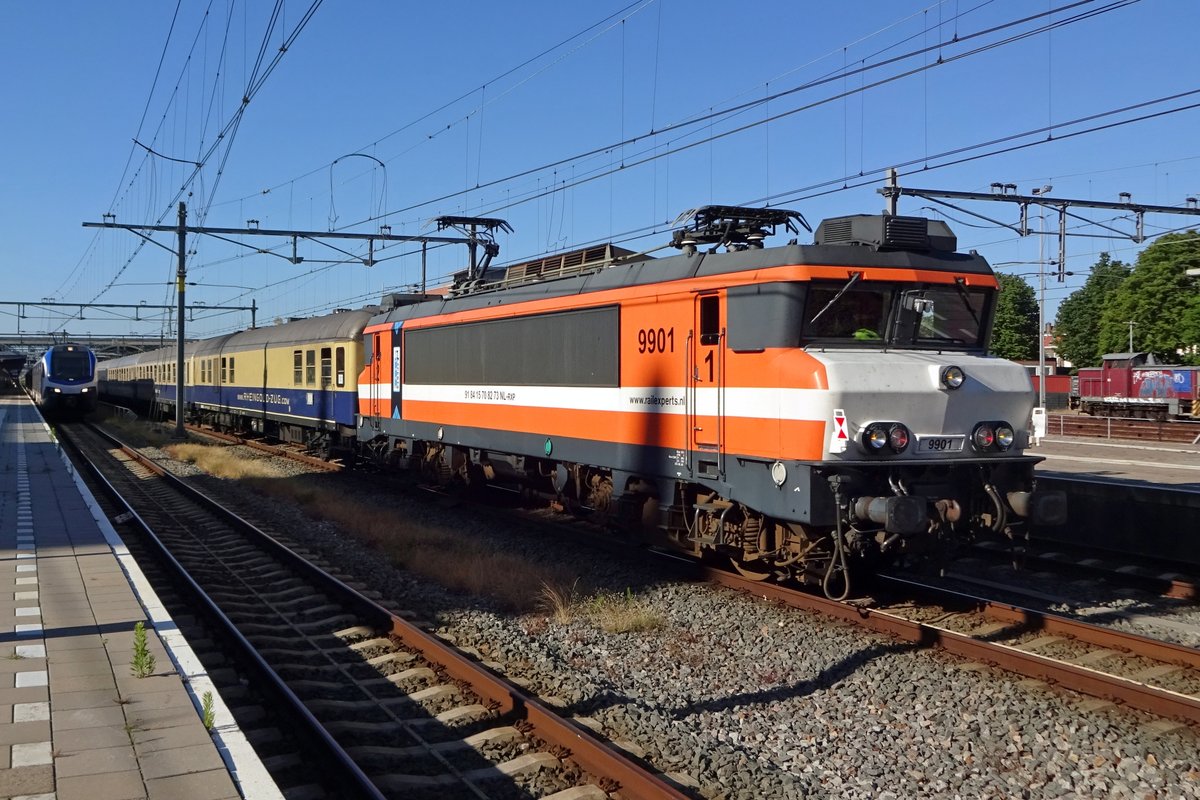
{"points": [[656, 340], [941, 444]]}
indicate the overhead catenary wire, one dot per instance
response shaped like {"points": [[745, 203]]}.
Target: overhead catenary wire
{"points": [[746, 106], [256, 80], [843, 183], [558, 186], [723, 112]]}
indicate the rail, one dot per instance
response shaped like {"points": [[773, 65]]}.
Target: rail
{"points": [[1097, 683], [593, 755]]}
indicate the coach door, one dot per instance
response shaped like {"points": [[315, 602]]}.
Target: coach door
{"points": [[705, 390], [375, 378]]}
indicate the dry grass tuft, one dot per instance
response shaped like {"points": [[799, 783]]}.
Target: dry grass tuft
{"points": [[622, 613], [453, 559], [558, 602], [221, 463]]}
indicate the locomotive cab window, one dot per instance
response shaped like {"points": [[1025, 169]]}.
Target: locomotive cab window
{"points": [[710, 319], [851, 311], [943, 316], [869, 313], [371, 351]]}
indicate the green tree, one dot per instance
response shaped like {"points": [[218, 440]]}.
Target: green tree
{"points": [[1161, 300], [1077, 325], [1015, 332]]}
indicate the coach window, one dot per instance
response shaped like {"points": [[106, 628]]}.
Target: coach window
{"points": [[231, 379], [341, 366], [710, 319], [310, 367], [224, 370], [326, 366], [297, 368]]}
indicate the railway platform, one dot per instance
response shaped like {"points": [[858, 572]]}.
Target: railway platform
{"points": [[1165, 464], [74, 721], [1126, 497]]}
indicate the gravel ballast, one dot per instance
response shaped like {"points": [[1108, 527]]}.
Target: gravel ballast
{"points": [[751, 700]]}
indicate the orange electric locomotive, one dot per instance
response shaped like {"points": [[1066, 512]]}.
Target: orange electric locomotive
{"points": [[793, 407]]}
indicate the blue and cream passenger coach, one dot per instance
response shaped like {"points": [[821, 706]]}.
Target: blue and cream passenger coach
{"points": [[296, 381]]}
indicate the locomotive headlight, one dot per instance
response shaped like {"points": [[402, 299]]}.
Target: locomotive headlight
{"points": [[875, 437], [953, 377], [1005, 436], [984, 436], [57, 390], [898, 437]]}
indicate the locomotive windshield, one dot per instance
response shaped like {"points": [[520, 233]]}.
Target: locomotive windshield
{"points": [[896, 315], [70, 365]]}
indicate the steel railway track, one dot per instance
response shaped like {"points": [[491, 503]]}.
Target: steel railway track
{"points": [[1160, 678], [388, 709], [1153, 676], [1149, 576]]}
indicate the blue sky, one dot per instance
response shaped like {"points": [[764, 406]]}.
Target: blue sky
{"points": [[430, 90]]}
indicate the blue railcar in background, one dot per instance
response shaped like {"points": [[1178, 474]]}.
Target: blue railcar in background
{"points": [[62, 382]]}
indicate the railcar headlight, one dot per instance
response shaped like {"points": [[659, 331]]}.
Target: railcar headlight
{"points": [[875, 437], [984, 436], [57, 390], [898, 437], [1005, 436], [83, 390], [953, 377]]}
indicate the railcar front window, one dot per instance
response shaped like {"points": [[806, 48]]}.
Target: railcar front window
{"points": [[71, 366]]}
